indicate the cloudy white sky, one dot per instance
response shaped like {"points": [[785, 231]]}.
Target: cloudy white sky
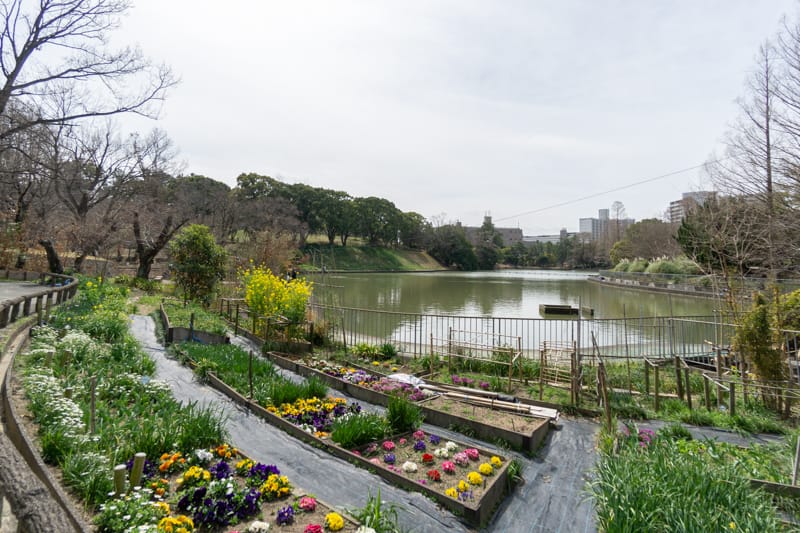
{"points": [[456, 109]]}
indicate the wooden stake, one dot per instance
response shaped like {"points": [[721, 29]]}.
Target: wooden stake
{"points": [[250, 374], [119, 479], [138, 468], [92, 405]]}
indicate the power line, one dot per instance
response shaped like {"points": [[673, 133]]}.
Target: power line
{"points": [[622, 188]]}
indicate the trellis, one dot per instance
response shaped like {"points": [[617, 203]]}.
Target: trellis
{"points": [[477, 346]]}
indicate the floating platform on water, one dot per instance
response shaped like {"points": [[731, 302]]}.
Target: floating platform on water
{"points": [[564, 310]]}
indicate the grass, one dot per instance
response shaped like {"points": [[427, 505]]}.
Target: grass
{"points": [[656, 483], [371, 258], [231, 364], [377, 514], [204, 319], [403, 415], [358, 429]]}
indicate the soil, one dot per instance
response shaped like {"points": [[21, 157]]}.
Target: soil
{"points": [[506, 420]]}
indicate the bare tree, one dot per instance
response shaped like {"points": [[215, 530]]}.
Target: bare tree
{"points": [[57, 67]]}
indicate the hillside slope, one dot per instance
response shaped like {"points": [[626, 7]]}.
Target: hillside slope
{"points": [[370, 258]]}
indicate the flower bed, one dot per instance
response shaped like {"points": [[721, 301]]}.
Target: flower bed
{"points": [[215, 489], [524, 434], [91, 393], [475, 503], [458, 472]]}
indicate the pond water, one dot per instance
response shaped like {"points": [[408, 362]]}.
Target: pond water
{"points": [[503, 293]]}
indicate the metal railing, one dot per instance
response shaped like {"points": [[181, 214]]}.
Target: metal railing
{"points": [[411, 333], [55, 289]]}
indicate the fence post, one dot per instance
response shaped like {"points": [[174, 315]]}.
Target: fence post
{"points": [[236, 323], [250, 375], [688, 388], [647, 376], [678, 380], [719, 377], [541, 370], [707, 392], [655, 368], [733, 399]]}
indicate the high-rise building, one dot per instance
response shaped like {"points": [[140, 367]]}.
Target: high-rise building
{"points": [[679, 208]]}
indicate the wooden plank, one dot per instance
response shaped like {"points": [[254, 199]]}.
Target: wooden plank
{"points": [[776, 488]]}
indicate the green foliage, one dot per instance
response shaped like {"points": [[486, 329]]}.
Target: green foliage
{"points": [[638, 265], [180, 315], [403, 415], [204, 368], [133, 412], [754, 339], [388, 350], [378, 515], [663, 266], [675, 431], [678, 475], [358, 429], [198, 262]]}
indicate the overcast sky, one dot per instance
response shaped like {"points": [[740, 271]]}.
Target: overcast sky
{"points": [[457, 109]]}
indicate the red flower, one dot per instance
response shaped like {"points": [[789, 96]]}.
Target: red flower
{"points": [[427, 458], [434, 475]]}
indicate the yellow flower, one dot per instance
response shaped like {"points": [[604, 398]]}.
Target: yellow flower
{"points": [[732, 525], [496, 462], [474, 478], [334, 521], [486, 469], [451, 492], [462, 486]]}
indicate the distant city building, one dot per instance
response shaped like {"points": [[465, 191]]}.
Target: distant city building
{"points": [[596, 229], [679, 208], [510, 236], [555, 239]]}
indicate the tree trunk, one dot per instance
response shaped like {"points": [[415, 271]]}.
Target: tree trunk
{"points": [[53, 261], [146, 259], [79, 262]]}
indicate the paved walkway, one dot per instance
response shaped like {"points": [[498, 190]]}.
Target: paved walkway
{"points": [[12, 289]]}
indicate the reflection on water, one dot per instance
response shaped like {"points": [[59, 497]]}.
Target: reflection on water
{"points": [[413, 310], [505, 293]]}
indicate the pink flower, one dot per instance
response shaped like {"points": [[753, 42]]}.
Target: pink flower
{"points": [[313, 528], [388, 445], [461, 459], [375, 461], [402, 442], [472, 453], [418, 435], [449, 467], [307, 504]]}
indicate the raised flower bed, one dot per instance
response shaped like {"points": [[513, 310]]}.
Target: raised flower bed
{"points": [[474, 502], [217, 490], [524, 433]]}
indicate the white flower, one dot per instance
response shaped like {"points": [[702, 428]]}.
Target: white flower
{"points": [[409, 467], [451, 446], [258, 527], [204, 456], [364, 529], [442, 453]]}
